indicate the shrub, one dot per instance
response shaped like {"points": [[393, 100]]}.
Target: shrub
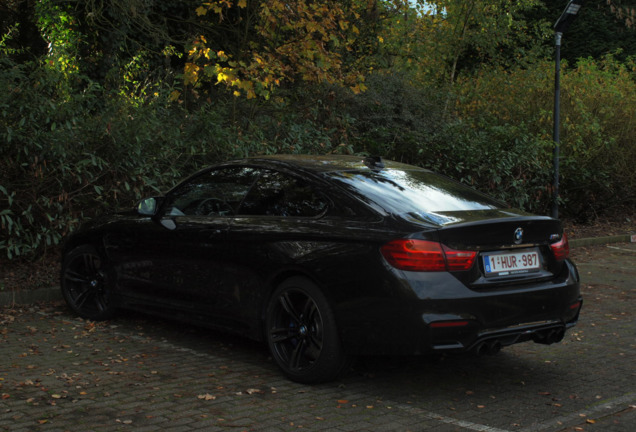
{"points": [[598, 99], [70, 153]]}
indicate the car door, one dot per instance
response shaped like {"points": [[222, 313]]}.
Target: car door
{"points": [[199, 213], [176, 260]]}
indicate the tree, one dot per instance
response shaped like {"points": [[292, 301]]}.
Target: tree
{"points": [[602, 27], [253, 47], [19, 33], [436, 40]]}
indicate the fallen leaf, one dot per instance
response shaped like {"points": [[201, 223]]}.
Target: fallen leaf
{"points": [[590, 421], [254, 391], [206, 397]]}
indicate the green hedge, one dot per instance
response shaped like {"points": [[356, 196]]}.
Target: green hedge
{"points": [[598, 132], [72, 149], [69, 153]]}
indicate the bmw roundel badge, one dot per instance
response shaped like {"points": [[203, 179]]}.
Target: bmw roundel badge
{"points": [[518, 235]]}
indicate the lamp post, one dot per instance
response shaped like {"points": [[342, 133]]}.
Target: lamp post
{"points": [[562, 24]]}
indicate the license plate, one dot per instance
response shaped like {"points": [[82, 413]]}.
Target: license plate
{"points": [[511, 263]]}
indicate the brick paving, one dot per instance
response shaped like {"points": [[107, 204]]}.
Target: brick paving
{"points": [[60, 373]]}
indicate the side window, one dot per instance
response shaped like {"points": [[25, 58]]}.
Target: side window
{"points": [[276, 194], [212, 193]]}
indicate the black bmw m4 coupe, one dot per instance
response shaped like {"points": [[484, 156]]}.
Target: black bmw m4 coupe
{"points": [[325, 258]]}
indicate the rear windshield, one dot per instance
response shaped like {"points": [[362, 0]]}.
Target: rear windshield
{"points": [[414, 192]]}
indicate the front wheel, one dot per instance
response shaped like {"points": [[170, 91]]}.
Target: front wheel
{"points": [[302, 334], [85, 283]]}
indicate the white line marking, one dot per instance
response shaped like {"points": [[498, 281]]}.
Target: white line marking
{"points": [[613, 406], [622, 249], [448, 420]]}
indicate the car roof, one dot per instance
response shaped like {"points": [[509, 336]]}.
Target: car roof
{"points": [[331, 163]]}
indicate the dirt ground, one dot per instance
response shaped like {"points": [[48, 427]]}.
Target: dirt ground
{"points": [[43, 272]]}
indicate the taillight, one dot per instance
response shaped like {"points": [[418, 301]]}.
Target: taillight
{"points": [[458, 260], [561, 249], [424, 255]]}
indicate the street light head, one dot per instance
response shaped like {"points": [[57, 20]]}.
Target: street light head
{"points": [[568, 15]]}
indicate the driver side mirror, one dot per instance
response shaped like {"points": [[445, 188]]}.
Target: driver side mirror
{"points": [[148, 206]]}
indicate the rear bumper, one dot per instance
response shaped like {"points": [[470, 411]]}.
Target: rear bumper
{"points": [[434, 312], [488, 340]]}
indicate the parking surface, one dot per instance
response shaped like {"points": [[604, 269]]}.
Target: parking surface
{"points": [[60, 373]]}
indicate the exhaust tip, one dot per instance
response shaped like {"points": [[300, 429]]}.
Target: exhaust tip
{"points": [[549, 337], [488, 347], [481, 349], [494, 347]]}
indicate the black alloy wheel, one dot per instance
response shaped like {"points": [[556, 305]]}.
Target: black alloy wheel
{"points": [[302, 334], [85, 284]]}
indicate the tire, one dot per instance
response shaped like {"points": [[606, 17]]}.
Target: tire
{"points": [[85, 283], [302, 334]]}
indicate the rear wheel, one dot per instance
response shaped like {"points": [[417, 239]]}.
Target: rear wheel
{"points": [[85, 283], [302, 334]]}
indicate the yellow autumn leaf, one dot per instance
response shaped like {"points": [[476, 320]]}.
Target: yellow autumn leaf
{"points": [[174, 95], [201, 11], [242, 3], [190, 73]]}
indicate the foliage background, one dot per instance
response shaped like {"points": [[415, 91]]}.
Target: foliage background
{"points": [[102, 103]]}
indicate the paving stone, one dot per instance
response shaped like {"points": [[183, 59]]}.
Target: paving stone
{"points": [[136, 373]]}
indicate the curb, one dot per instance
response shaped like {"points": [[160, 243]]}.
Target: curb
{"points": [[592, 241], [26, 297]]}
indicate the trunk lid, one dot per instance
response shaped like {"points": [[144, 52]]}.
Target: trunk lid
{"points": [[496, 229], [511, 247]]}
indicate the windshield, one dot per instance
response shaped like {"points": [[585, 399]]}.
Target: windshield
{"points": [[418, 193]]}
